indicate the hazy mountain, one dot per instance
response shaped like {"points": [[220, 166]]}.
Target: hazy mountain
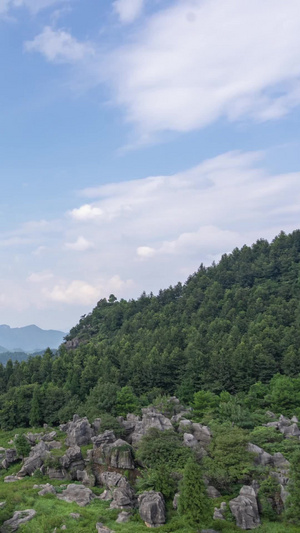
{"points": [[28, 338]]}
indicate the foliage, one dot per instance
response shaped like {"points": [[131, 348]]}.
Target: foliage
{"points": [[162, 448], [293, 502], [22, 446], [159, 479], [193, 501], [269, 498]]}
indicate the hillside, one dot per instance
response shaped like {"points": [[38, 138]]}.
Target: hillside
{"points": [[28, 339]]}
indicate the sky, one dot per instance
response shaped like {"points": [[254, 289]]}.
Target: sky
{"points": [[138, 139]]}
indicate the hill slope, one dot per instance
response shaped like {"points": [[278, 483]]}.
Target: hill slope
{"points": [[28, 339]]}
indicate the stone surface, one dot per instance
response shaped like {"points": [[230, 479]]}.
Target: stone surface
{"points": [[176, 500], [212, 492], [86, 479], [76, 516], [79, 432], [78, 494], [245, 509], [19, 518], [189, 440], [123, 517], [35, 460], [103, 529], [72, 461], [219, 512], [11, 479], [151, 419], [11, 457], [47, 489], [152, 508], [202, 434], [261, 457]]}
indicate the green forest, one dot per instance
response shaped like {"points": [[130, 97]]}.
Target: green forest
{"points": [[232, 327]]}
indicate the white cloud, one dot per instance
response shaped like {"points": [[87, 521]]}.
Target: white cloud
{"points": [[145, 251], [199, 60], [80, 245], [75, 292], [59, 46], [33, 5], [40, 277], [128, 10], [86, 212]]}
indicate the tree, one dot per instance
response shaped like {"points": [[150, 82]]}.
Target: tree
{"points": [[293, 502], [193, 502], [127, 401], [22, 446]]}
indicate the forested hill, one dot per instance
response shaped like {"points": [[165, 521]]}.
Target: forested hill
{"points": [[229, 326]]}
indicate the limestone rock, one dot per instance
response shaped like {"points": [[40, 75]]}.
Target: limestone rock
{"points": [[79, 432], [47, 489], [86, 479], [261, 457], [11, 479], [35, 460], [103, 529], [212, 492], [202, 434], [19, 518], [123, 517], [152, 508], [72, 461], [219, 513], [108, 437], [151, 419], [78, 494], [76, 516], [189, 440], [245, 509], [11, 457]]}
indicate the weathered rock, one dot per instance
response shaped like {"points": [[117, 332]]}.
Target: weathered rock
{"points": [[49, 436], [19, 518], [176, 500], [219, 512], [123, 517], [86, 479], [202, 434], [295, 420], [57, 473], [11, 479], [284, 421], [152, 508], [151, 419], [112, 479], [106, 495], [212, 492], [79, 432], [11, 457], [280, 461], [108, 437], [78, 494], [54, 445], [96, 425], [290, 431], [121, 455], [33, 438], [103, 529], [270, 414], [35, 460], [72, 461], [76, 516], [261, 457], [189, 440], [184, 425], [245, 509], [47, 489], [2, 505], [123, 497]]}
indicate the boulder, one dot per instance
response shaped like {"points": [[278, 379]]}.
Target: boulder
{"points": [[49, 436], [11, 479], [86, 479], [219, 513], [103, 529], [75, 516], [121, 455], [2, 504], [261, 457], [202, 434], [57, 473], [245, 509], [176, 500], [290, 431], [152, 508], [79, 432], [78, 494], [96, 425], [72, 461], [184, 425], [119, 490], [189, 440], [54, 445], [123, 517], [47, 489], [35, 460], [212, 492], [19, 518], [33, 438], [112, 479], [108, 437], [11, 457], [151, 419]]}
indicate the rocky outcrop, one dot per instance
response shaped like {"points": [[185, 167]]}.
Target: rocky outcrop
{"points": [[120, 491], [152, 508], [19, 518], [35, 460], [72, 461], [189, 440], [103, 529], [111, 452], [78, 494], [123, 517], [136, 428], [245, 509], [11, 457], [47, 489], [79, 432], [86, 479], [219, 512], [261, 457]]}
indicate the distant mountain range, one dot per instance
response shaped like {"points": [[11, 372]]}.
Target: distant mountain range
{"points": [[28, 339]]}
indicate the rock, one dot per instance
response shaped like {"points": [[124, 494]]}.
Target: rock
{"points": [[49, 436], [79, 432], [270, 414], [123, 517], [121, 455], [280, 461], [33, 438], [245, 509], [78, 494], [76, 516], [19, 518], [209, 531], [290, 431], [123, 498], [261, 457], [212, 492], [184, 425], [47, 489], [54, 445], [96, 425], [152, 508], [189, 440], [72, 461], [63, 527], [151, 419], [35, 460], [86, 479], [2, 504], [11, 479], [176, 500], [201, 433], [108, 437], [219, 513], [284, 421], [112, 479], [11, 457], [57, 473], [295, 420], [103, 529], [106, 495]]}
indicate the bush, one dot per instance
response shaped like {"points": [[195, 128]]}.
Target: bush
{"points": [[162, 448], [22, 446]]}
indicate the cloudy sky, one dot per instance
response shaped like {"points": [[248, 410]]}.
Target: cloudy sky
{"points": [[139, 138]]}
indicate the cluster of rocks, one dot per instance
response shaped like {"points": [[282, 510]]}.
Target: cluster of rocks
{"points": [[109, 457]]}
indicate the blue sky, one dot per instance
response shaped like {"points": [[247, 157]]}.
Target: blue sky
{"points": [[138, 139]]}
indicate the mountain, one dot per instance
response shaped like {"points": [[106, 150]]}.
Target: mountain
{"points": [[28, 339]]}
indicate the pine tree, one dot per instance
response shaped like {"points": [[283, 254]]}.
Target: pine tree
{"points": [[193, 502], [36, 417], [293, 502]]}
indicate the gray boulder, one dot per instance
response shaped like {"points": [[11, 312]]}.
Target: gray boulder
{"points": [[202, 434], [35, 460], [219, 512], [47, 489], [19, 518], [151, 419], [290, 431], [212, 492], [184, 425], [78, 494], [86, 479], [189, 440], [112, 479], [72, 461], [152, 508], [79, 432], [245, 509], [121, 455], [49, 436], [103, 529], [261, 457], [11, 457], [108, 437], [123, 517], [119, 490], [11, 479]]}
